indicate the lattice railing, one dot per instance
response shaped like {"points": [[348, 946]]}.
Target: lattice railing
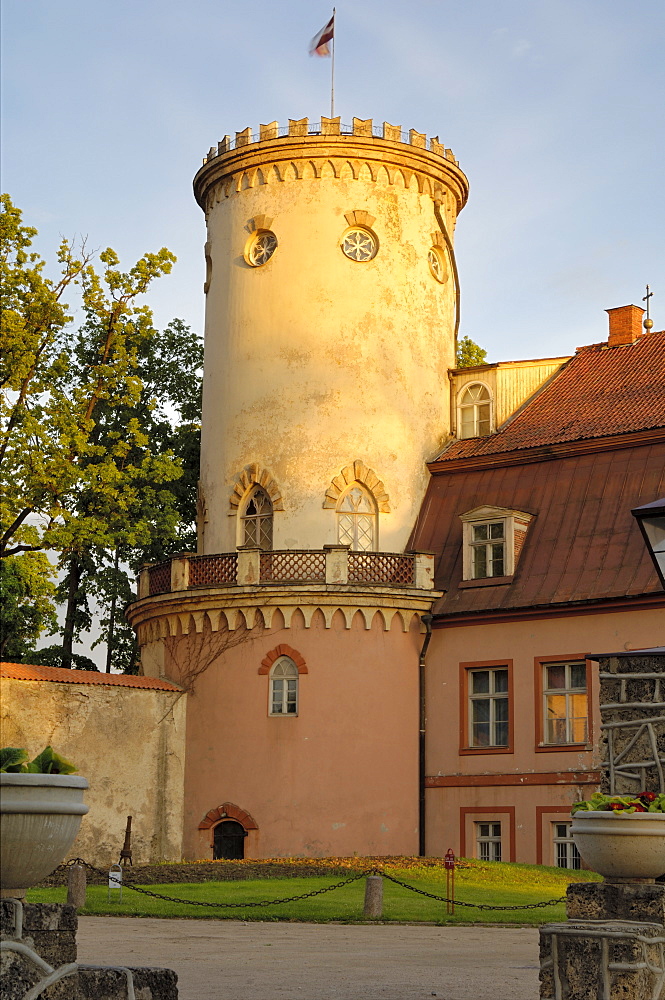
{"points": [[389, 568], [160, 578], [292, 566], [213, 570]]}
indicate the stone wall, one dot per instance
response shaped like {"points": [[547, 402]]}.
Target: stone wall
{"points": [[127, 741]]}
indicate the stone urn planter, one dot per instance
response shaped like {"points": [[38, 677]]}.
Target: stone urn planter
{"points": [[621, 845], [40, 815]]}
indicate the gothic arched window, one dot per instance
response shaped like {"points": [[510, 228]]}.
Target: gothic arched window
{"points": [[284, 687], [356, 519], [475, 411], [257, 519]]}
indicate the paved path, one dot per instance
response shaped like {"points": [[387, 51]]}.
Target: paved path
{"points": [[231, 960]]}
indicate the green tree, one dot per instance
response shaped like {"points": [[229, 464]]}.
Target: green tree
{"points": [[469, 354], [85, 476], [168, 408], [27, 606]]}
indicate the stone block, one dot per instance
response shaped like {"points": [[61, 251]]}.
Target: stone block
{"points": [[98, 983], [608, 960], [49, 928], [616, 901]]}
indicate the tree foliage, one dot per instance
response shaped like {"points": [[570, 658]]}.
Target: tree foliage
{"points": [[469, 354], [27, 609], [50, 447], [101, 430]]}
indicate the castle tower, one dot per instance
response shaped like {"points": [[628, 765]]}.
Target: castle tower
{"points": [[331, 313], [330, 323]]}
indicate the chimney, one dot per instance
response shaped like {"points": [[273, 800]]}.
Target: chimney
{"points": [[625, 325]]}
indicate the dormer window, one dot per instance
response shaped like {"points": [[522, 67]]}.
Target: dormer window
{"points": [[493, 538], [475, 411]]}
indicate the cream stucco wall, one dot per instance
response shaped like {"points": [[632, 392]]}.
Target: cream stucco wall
{"points": [[128, 743], [314, 360]]}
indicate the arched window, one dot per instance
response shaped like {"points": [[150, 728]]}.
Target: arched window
{"points": [[356, 519], [284, 687], [257, 519], [475, 417]]}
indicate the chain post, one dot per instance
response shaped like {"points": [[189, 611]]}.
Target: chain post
{"points": [[449, 865]]}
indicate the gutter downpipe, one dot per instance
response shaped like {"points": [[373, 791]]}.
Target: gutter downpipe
{"points": [[427, 620], [451, 254]]}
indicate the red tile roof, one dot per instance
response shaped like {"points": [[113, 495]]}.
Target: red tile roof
{"points": [[600, 392], [34, 672], [582, 545]]}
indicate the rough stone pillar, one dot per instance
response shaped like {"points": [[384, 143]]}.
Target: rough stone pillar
{"points": [[39, 947], [373, 897]]}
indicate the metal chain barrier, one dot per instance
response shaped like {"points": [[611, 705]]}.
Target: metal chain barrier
{"points": [[477, 906], [200, 902], [307, 895]]}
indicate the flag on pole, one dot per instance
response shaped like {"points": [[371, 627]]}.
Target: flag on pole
{"points": [[319, 44]]}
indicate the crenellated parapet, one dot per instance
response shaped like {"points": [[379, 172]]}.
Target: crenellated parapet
{"points": [[327, 148]]}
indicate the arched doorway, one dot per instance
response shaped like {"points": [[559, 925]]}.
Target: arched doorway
{"points": [[229, 841]]}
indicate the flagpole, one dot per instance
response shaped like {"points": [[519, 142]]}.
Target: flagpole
{"points": [[332, 72]]}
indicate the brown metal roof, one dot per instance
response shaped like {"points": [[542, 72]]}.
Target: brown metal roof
{"points": [[582, 545], [600, 392], [35, 672]]}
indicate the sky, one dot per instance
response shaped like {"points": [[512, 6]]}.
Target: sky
{"points": [[555, 110]]}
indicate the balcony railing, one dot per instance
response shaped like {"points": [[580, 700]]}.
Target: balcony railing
{"points": [[334, 564]]}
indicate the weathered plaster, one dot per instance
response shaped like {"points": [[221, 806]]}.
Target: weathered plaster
{"points": [[129, 744]]}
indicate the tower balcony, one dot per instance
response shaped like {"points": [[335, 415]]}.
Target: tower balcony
{"points": [[334, 565]]}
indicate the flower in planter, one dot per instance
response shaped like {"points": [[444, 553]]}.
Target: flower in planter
{"points": [[622, 804]]}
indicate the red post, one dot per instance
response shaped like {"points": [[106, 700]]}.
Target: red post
{"points": [[449, 864]]}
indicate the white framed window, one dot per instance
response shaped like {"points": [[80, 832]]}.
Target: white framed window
{"points": [[360, 244], [488, 549], [565, 702], [356, 519], [565, 851], [493, 539], [283, 687], [488, 841], [489, 715], [257, 519], [474, 411]]}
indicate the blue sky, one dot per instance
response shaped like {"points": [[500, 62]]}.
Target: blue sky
{"points": [[554, 108]]}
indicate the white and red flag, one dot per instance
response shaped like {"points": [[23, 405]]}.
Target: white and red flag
{"points": [[319, 44]]}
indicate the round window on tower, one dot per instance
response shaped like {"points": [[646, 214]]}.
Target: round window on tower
{"points": [[260, 248], [437, 264], [360, 244]]}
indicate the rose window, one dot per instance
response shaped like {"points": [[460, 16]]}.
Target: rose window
{"points": [[359, 244], [262, 248], [436, 265]]}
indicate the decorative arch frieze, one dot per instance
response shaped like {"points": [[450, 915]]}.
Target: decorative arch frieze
{"points": [[357, 472], [228, 810], [283, 650], [253, 475], [281, 616]]}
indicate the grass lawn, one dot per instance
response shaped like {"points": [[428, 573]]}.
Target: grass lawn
{"points": [[480, 882]]}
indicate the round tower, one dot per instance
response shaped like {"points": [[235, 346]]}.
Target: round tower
{"points": [[331, 314], [330, 325]]}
